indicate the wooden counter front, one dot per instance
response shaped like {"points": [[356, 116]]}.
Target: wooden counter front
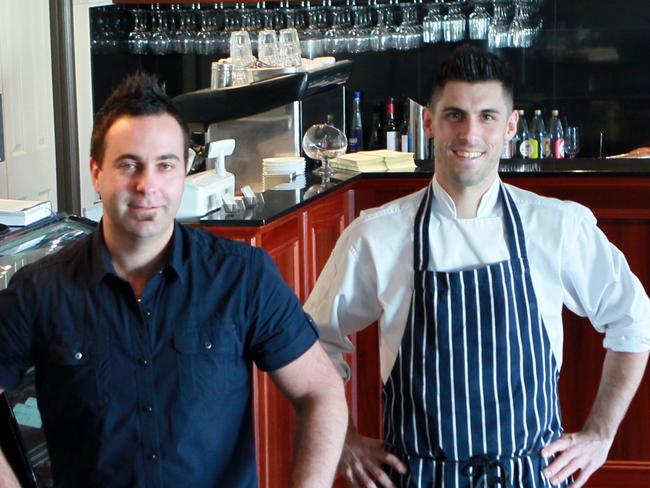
{"points": [[301, 242]]}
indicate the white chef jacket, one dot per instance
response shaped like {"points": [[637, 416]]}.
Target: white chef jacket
{"points": [[369, 276]]}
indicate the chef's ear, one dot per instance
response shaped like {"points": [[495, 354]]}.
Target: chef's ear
{"points": [[427, 121], [511, 125]]}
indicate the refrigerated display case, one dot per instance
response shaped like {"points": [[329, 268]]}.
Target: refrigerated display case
{"points": [[21, 435]]}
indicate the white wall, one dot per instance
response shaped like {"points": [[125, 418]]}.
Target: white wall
{"points": [[26, 80]]}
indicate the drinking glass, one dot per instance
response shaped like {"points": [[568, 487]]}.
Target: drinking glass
{"points": [[521, 31], [241, 52], [454, 24], [159, 41], [138, 38], [289, 47], [479, 22], [572, 141], [499, 32], [335, 37], [380, 35], [324, 142], [432, 25], [267, 47]]}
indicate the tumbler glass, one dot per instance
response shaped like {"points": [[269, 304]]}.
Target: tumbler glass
{"points": [[289, 47], [267, 47]]}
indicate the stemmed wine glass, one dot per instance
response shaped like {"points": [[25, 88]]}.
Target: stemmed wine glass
{"points": [[572, 141], [323, 142]]}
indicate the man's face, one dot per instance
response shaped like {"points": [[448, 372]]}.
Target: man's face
{"points": [[141, 178], [469, 123]]}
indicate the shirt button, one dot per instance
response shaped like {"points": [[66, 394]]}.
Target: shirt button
{"points": [[147, 409], [78, 355], [148, 313], [207, 345], [143, 362], [139, 300], [152, 457]]}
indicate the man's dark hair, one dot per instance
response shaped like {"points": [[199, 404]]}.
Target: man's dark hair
{"points": [[473, 64], [138, 95]]}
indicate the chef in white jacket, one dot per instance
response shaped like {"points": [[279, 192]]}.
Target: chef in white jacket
{"points": [[467, 279]]}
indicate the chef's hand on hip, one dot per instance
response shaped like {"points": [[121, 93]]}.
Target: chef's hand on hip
{"points": [[579, 454], [362, 459]]}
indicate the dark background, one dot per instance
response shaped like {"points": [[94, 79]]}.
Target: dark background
{"points": [[590, 62]]}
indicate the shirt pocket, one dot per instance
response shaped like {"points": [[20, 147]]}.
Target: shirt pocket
{"points": [[72, 377], [209, 360]]}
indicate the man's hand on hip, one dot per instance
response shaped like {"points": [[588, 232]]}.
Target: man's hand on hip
{"points": [[362, 459], [579, 454]]}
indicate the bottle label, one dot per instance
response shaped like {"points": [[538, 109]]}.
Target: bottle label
{"points": [[558, 148], [355, 141], [391, 140], [404, 146], [528, 149], [547, 147], [506, 150]]}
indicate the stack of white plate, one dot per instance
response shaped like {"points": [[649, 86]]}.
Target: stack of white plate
{"points": [[283, 165]]}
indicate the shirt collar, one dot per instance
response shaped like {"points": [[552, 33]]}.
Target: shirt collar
{"points": [[102, 264], [486, 207]]}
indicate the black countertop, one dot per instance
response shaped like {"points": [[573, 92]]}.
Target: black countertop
{"points": [[278, 203]]}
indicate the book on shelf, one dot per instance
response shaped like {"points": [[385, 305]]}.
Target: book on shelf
{"points": [[20, 213]]}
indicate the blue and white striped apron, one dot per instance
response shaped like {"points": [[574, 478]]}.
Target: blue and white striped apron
{"points": [[472, 397]]}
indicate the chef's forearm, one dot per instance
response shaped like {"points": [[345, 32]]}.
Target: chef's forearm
{"points": [[622, 373], [319, 440]]}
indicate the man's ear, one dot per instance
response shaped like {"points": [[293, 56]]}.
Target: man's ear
{"points": [[511, 125], [95, 171]]}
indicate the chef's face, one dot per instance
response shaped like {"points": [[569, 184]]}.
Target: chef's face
{"points": [[140, 177], [469, 123]]}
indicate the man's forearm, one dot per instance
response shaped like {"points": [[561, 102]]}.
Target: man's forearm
{"points": [[7, 477], [622, 373], [321, 429]]}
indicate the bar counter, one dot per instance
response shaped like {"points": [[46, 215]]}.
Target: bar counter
{"points": [[281, 202], [299, 235]]}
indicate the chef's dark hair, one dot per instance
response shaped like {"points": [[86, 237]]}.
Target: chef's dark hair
{"points": [[473, 64], [138, 95]]}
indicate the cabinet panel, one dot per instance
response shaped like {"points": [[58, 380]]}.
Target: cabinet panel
{"points": [[326, 221], [373, 193], [284, 241]]}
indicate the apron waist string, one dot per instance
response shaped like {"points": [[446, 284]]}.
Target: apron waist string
{"points": [[482, 465]]}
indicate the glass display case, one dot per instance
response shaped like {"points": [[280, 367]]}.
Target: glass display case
{"points": [[21, 435]]}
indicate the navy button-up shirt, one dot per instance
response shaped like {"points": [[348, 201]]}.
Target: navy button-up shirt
{"points": [[155, 391]]}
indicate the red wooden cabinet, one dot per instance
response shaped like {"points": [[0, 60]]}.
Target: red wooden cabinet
{"points": [[325, 222], [301, 242]]}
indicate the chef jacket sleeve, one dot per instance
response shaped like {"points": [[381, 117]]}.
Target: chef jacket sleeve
{"points": [[17, 302], [280, 331], [599, 284], [345, 297]]}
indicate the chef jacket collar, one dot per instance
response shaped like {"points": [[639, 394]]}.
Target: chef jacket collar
{"points": [[487, 206]]}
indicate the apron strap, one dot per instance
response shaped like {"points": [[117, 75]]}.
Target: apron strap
{"points": [[421, 249], [512, 221]]}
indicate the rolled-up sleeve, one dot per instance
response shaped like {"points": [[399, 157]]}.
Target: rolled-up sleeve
{"points": [[600, 285], [281, 331], [345, 298]]}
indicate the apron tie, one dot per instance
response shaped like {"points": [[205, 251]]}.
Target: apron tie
{"points": [[482, 465]]}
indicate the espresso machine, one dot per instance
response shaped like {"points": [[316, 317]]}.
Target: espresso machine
{"points": [[268, 117]]}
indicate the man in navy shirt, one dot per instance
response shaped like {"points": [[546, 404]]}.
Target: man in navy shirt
{"points": [[144, 333]]}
